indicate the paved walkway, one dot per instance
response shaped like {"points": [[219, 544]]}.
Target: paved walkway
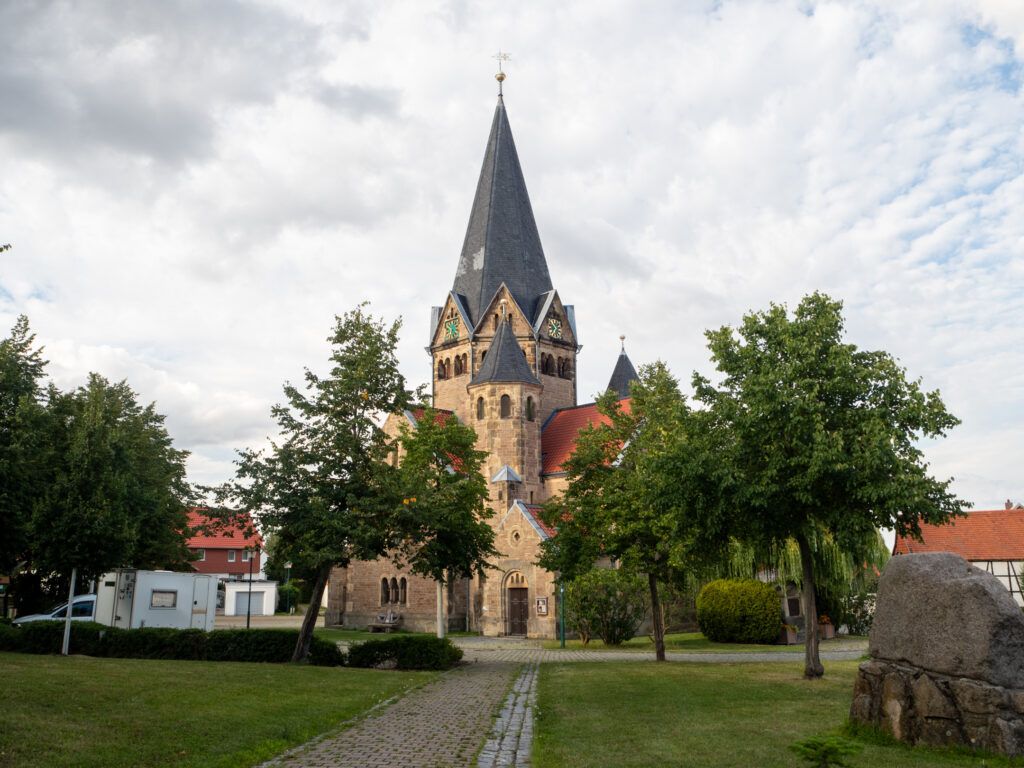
{"points": [[439, 725], [511, 739]]}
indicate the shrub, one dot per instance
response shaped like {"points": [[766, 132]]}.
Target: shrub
{"points": [[405, 652], [609, 603], [287, 596], [825, 752], [739, 611], [257, 645]]}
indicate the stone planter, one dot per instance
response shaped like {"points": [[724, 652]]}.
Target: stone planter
{"points": [[826, 631], [788, 636]]}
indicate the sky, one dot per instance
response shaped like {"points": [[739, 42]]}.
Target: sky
{"points": [[194, 190]]}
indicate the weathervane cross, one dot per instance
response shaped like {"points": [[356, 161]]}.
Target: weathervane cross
{"points": [[500, 77]]}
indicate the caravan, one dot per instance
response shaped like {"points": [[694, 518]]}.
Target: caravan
{"points": [[131, 599]]}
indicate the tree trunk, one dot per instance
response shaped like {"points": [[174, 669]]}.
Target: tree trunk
{"points": [[812, 660], [312, 611], [657, 619], [440, 609]]}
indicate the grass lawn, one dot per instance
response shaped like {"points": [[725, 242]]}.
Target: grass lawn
{"points": [[87, 712], [695, 642], [358, 635], [625, 715]]}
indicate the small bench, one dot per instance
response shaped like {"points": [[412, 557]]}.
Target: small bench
{"points": [[386, 622]]}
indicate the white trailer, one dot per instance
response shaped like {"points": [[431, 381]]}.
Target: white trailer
{"points": [[131, 599]]}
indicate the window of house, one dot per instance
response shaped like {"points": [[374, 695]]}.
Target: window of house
{"points": [[529, 409], [231, 555], [479, 407], [440, 369], [395, 594], [403, 587], [385, 592], [793, 606], [200, 555], [506, 406], [246, 555]]}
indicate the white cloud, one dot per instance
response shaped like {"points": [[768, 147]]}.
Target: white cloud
{"points": [[193, 193]]}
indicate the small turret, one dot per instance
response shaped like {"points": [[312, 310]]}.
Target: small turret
{"points": [[624, 373]]}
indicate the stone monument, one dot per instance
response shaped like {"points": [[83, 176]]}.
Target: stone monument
{"points": [[947, 657]]}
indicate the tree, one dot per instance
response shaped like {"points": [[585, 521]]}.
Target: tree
{"points": [[116, 494], [642, 489], [443, 518], [824, 438], [326, 490], [22, 415]]}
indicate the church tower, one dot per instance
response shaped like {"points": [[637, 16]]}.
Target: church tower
{"points": [[503, 291]]}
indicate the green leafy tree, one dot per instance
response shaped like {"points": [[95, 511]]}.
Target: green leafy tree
{"points": [[643, 489], [607, 602], [116, 494], [22, 427], [325, 489], [824, 437], [443, 519]]}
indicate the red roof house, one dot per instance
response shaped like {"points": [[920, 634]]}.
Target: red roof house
{"points": [[226, 551]]}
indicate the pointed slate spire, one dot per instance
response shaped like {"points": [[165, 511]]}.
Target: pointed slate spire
{"points": [[502, 244], [505, 360], [624, 373]]}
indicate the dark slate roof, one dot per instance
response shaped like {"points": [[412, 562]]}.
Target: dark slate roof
{"points": [[623, 375], [502, 243], [505, 360]]}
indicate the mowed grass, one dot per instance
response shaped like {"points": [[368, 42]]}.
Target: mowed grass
{"points": [[113, 713], [625, 715], [695, 642], [359, 635]]}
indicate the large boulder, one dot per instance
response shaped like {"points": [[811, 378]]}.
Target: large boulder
{"points": [[938, 612]]}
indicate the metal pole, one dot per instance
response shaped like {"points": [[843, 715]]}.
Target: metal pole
{"points": [[288, 592], [561, 613], [67, 615], [440, 609], [248, 604]]}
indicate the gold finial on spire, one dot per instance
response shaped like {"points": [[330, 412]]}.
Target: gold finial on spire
{"points": [[622, 341], [500, 77]]}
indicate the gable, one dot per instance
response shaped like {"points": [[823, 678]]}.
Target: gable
{"points": [[554, 321], [451, 317], [490, 318], [526, 517]]}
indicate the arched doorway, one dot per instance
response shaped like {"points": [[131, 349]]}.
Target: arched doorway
{"points": [[517, 604]]}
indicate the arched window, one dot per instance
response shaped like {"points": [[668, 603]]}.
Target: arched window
{"points": [[495, 321], [479, 407], [440, 369], [482, 356], [506, 406], [465, 363], [385, 593], [394, 590], [447, 367], [529, 409], [567, 368], [458, 365], [403, 591]]}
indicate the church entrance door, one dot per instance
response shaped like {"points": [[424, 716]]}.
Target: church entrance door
{"points": [[518, 610]]}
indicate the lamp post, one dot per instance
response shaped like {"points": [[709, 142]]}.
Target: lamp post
{"points": [[561, 612], [288, 592]]}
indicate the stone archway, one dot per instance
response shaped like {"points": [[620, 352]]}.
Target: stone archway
{"points": [[517, 604]]}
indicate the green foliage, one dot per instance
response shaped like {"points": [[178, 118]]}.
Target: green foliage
{"points": [[91, 639], [606, 602], [824, 437], [405, 652], [443, 518], [739, 611], [825, 752], [287, 595]]}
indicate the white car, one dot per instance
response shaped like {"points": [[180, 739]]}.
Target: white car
{"points": [[83, 608]]}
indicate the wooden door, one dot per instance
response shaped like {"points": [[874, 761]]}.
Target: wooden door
{"points": [[518, 610]]}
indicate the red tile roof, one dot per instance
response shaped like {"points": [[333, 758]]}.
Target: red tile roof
{"points": [[226, 537], [992, 534], [559, 436], [441, 415], [534, 511]]}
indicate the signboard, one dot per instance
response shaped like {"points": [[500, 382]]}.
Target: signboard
{"points": [[541, 604]]}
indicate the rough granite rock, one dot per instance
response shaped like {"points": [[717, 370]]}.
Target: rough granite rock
{"points": [[937, 612]]}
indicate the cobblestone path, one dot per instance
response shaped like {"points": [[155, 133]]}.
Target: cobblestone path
{"points": [[440, 725], [544, 656], [512, 734]]}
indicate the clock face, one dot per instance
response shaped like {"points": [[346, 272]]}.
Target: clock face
{"points": [[451, 329], [555, 328]]}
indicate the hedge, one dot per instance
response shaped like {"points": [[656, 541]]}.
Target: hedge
{"points": [[739, 611], [89, 638], [405, 652]]}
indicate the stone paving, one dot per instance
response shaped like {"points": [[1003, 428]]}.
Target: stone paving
{"points": [[511, 736], [439, 725]]}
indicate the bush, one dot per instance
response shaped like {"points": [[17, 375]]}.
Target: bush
{"points": [[257, 645], [405, 652], [287, 596], [739, 611], [609, 603]]}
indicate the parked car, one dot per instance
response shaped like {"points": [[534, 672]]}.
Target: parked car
{"points": [[83, 608]]}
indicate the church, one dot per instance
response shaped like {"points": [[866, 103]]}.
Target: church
{"points": [[504, 349]]}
